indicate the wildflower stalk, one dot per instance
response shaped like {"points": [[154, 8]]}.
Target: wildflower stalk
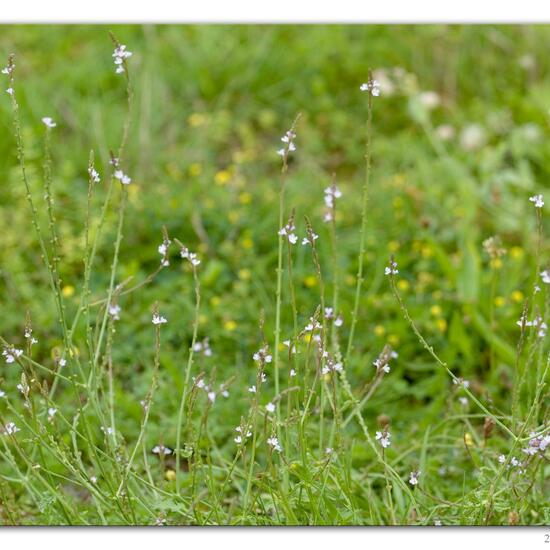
{"points": [[187, 372], [361, 257]]}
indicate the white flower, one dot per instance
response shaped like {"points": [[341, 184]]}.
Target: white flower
{"points": [[158, 319], [120, 54], [270, 407], [372, 86], [413, 480], [238, 439], [463, 401], [93, 479], [122, 177], [2, 393], [292, 373], [51, 413], [8, 69], [545, 276], [114, 312], [163, 251], [329, 450], [190, 256], [107, 430], [10, 91], [430, 100], [290, 147], [273, 442], [538, 200], [502, 459], [161, 450], [11, 428], [383, 438], [338, 322], [306, 240], [48, 121], [392, 269], [12, 354], [263, 355], [252, 389], [62, 362], [211, 396], [94, 175]]}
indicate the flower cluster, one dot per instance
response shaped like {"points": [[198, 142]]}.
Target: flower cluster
{"points": [[163, 251], [48, 122], [94, 175], [383, 438], [538, 200], [243, 433], [11, 354], [289, 147], [210, 393], [122, 177], [10, 428], [537, 323], [190, 256], [288, 232], [537, 444], [391, 269], [372, 86], [263, 355], [273, 442], [382, 363], [203, 347], [329, 315], [331, 365], [120, 55], [161, 450], [331, 194], [28, 335], [310, 239], [413, 478], [158, 319]]}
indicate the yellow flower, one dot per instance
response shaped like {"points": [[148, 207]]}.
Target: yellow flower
{"points": [[244, 274], [516, 252], [468, 439], [195, 169], [310, 281], [496, 263], [393, 246], [441, 325], [196, 119], [170, 475], [436, 310], [67, 291], [245, 198], [230, 325], [403, 284], [427, 251], [499, 301], [222, 177], [247, 243], [393, 339], [379, 330], [517, 296], [215, 301]]}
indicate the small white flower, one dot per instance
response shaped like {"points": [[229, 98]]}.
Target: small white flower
{"points": [[270, 407], [372, 86], [11, 428], [51, 413], [287, 138], [161, 450], [339, 321], [8, 69], [10, 91], [2, 393], [383, 438], [114, 312], [463, 401], [120, 54], [292, 373], [252, 389], [329, 450], [122, 177], [238, 439], [158, 319], [107, 430], [292, 239], [62, 362], [12, 354], [545, 276], [93, 479], [48, 121], [211, 396], [392, 269], [263, 355], [273, 442], [306, 240], [94, 175], [502, 459], [538, 200], [413, 480], [190, 256]]}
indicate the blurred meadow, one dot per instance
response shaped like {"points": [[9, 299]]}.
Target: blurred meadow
{"points": [[460, 141]]}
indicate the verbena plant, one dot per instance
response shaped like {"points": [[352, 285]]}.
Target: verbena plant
{"points": [[293, 457]]}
